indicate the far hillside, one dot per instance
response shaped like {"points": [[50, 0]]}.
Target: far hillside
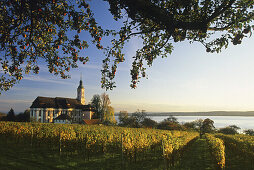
{"points": [[2, 114], [212, 113]]}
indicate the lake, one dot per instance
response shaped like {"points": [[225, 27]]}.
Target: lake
{"points": [[244, 122]]}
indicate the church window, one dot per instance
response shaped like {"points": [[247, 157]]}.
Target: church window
{"points": [[39, 112]]}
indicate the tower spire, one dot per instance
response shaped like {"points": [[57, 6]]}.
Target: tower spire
{"points": [[81, 91], [80, 81]]}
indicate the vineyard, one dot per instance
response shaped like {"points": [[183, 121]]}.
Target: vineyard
{"points": [[126, 146]]}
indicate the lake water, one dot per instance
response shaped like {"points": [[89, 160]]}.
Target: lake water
{"points": [[243, 122]]}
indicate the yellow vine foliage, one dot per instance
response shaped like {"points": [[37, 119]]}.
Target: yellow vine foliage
{"points": [[217, 148], [99, 138], [243, 144]]}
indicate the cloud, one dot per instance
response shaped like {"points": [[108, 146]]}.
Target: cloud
{"points": [[14, 101], [46, 80]]}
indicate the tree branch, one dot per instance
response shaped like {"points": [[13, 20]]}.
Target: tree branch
{"points": [[219, 10], [230, 24]]}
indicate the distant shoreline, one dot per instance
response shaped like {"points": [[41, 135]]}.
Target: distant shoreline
{"points": [[213, 113]]}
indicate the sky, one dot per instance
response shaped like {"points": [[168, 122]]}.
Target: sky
{"points": [[190, 79]]}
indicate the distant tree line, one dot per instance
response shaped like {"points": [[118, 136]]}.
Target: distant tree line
{"points": [[21, 117], [139, 119]]}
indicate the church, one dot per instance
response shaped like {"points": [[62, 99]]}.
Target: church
{"points": [[50, 110]]}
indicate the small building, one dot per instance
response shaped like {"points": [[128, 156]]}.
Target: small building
{"points": [[46, 109], [63, 119]]}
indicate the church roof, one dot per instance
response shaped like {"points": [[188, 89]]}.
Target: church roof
{"points": [[58, 102]]}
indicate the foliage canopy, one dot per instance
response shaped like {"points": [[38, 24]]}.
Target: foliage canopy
{"points": [[35, 30], [102, 108]]}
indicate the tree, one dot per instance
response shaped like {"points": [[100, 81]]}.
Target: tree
{"points": [[204, 126], [198, 125], [190, 125], [129, 122], [136, 120], [11, 115], [35, 30], [149, 123], [123, 115], [40, 30], [160, 24], [109, 117], [23, 117], [97, 106], [168, 125], [232, 129], [102, 109], [207, 126], [139, 115], [105, 105], [171, 119], [249, 132], [124, 119]]}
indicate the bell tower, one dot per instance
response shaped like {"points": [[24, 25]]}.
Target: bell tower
{"points": [[81, 91]]}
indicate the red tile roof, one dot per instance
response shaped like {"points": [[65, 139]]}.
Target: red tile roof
{"points": [[92, 121]]}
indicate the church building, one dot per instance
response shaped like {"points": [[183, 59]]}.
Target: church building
{"points": [[48, 109]]}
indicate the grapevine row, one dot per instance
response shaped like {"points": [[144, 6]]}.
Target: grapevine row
{"points": [[99, 138], [217, 149], [242, 144]]}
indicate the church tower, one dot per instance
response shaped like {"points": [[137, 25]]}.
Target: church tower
{"points": [[81, 92]]}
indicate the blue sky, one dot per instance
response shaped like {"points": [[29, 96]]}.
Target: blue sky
{"points": [[188, 80]]}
